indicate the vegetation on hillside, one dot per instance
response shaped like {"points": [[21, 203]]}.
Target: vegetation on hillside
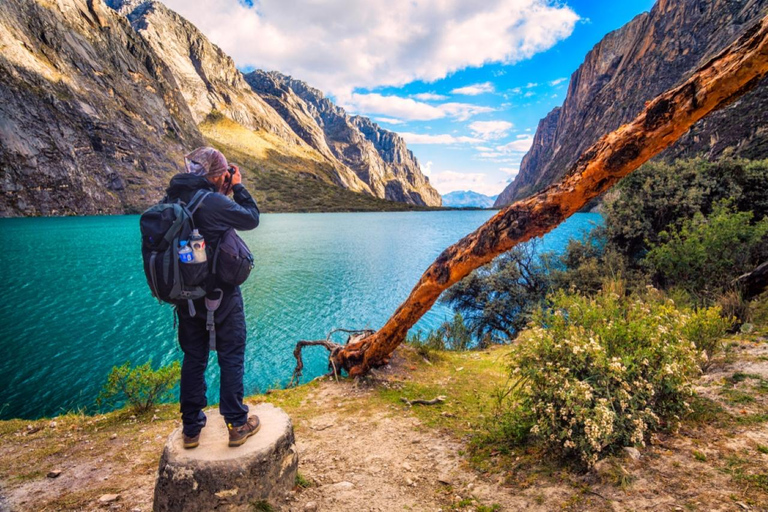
{"points": [[288, 179]]}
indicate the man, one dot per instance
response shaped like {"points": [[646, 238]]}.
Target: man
{"points": [[207, 169]]}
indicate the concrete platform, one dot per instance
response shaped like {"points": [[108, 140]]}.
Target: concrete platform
{"points": [[213, 475]]}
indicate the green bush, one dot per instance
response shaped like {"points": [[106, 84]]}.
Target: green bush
{"points": [[595, 374], [453, 335], [705, 254], [587, 265], [660, 196], [141, 387], [705, 328]]}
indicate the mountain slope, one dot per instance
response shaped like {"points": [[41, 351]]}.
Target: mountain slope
{"points": [[90, 120], [378, 157], [632, 65], [467, 199], [213, 86]]}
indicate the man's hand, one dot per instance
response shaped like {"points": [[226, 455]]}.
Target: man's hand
{"points": [[237, 178]]}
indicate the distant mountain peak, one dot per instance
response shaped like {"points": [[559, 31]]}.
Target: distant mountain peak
{"points": [[468, 199]]}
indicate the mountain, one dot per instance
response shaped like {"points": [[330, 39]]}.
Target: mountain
{"points": [[650, 54], [91, 120], [378, 157], [468, 199], [99, 102]]}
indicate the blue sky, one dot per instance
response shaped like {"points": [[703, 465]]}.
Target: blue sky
{"points": [[464, 82]]}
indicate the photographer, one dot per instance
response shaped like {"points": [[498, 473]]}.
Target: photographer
{"points": [[207, 169]]}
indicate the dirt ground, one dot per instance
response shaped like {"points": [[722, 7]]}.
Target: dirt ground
{"points": [[361, 449]]}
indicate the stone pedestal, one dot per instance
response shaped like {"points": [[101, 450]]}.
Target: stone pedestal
{"points": [[214, 476]]}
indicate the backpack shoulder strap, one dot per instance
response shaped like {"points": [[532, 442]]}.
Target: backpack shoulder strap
{"points": [[197, 200]]}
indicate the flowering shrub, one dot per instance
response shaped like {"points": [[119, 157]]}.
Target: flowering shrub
{"points": [[604, 372]]}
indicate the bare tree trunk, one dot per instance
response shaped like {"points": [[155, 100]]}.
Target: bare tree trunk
{"points": [[720, 81]]}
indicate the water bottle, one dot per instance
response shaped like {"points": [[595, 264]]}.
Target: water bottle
{"points": [[198, 246], [185, 252]]}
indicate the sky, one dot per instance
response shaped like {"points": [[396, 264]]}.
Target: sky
{"points": [[464, 82]]}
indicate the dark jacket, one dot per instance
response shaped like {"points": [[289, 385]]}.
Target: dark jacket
{"points": [[215, 215]]}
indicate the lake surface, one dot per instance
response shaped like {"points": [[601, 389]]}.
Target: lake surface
{"points": [[76, 302]]}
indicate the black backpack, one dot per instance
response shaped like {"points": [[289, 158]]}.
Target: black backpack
{"points": [[163, 226]]}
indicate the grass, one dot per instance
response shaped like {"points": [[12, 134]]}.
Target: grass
{"points": [[699, 456], [302, 482], [467, 380]]}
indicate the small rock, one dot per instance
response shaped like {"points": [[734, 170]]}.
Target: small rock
{"points": [[52, 424], [109, 498], [445, 480], [310, 506], [155, 417], [343, 486], [633, 453], [113, 436], [228, 493], [407, 466], [742, 505], [409, 482], [54, 473]]}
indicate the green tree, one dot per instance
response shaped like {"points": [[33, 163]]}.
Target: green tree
{"points": [[141, 387], [499, 298]]}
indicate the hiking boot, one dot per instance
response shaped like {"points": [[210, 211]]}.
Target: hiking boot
{"points": [[191, 442], [239, 435]]}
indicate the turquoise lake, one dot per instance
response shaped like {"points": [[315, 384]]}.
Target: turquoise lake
{"points": [[76, 301]]}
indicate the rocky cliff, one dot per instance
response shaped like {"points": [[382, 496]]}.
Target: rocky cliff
{"points": [[91, 121], [650, 54], [376, 156]]}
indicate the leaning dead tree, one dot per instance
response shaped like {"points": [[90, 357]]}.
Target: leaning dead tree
{"points": [[714, 85]]}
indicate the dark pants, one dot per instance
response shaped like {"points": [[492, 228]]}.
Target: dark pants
{"points": [[230, 347]]}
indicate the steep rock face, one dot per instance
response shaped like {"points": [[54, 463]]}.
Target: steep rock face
{"points": [[90, 120], [298, 116], [409, 183], [207, 77], [378, 157], [632, 65]]}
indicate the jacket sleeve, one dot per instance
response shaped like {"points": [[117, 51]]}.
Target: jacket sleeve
{"points": [[241, 214]]}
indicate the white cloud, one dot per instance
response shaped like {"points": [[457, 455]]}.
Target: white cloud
{"points": [[531, 85], [474, 89], [388, 120], [443, 138], [557, 81], [463, 111], [429, 96], [426, 169], [521, 145], [490, 129], [341, 45], [511, 171], [451, 181], [408, 108], [529, 94]]}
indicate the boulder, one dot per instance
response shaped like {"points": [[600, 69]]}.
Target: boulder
{"points": [[213, 475]]}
